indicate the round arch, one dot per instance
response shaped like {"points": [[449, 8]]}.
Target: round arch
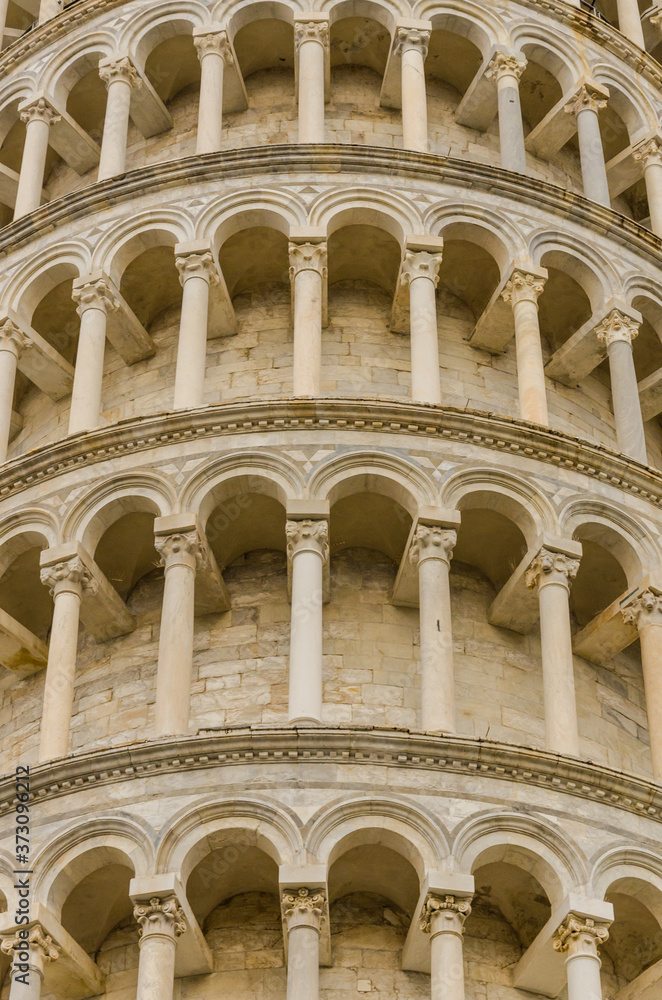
{"points": [[102, 506], [373, 472]]}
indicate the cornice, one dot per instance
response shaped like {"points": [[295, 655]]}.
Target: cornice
{"points": [[330, 159], [393, 748], [395, 417], [587, 24]]}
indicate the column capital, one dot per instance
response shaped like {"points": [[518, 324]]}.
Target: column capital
{"points": [[38, 109], [444, 913], [12, 337], [70, 575], [649, 151], [420, 264], [589, 97], [307, 536], [159, 916], [215, 42], [194, 261], [646, 609], [120, 68], [431, 541], [303, 907], [185, 548], [616, 326], [411, 38], [551, 567], [41, 944], [580, 936], [308, 30], [94, 293], [308, 257], [505, 64], [523, 286]]}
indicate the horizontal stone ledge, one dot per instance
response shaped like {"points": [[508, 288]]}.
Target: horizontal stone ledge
{"points": [[332, 159], [264, 745], [473, 428]]}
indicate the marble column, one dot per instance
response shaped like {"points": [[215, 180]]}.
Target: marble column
{"points": [[160, 923], [412, 46], [307, 273], [182, 554], [197, 272], [31, 949], [585, 105], [522, 292], [67, 581], [646, 614], [578, 938], [303, 912], [432, 551], [650, 154], [617, 331], [552, 574], [629, 22], [214, 53], [38, 116], [506, 69], [307, 551], [12, 342], [311, 40], [120, 77], [420, 270], [443, 919], [95, 299]]}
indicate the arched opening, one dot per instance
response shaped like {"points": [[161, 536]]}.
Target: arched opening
{"points": [[635, 937], [359, 52], [265, 53]]}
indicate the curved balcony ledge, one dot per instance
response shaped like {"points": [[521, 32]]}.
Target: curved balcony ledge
{"points": [[445, 423], [330, 159], [601, 32], [392, 748]]}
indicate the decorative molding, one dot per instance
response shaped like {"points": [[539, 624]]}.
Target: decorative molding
{"points": [[95, 294], [39, 942], [551, 567], [586, 99], [645, 610], [303, 906], [12, 338], [331, 159], [307, 257], [67, 575], [431, 541], [615, 327], [458, 757], [455, 908], [307, 536], [505, 64], [181, 549], [197, 265], [580, 935], [444, 423], [120, 69], [523, 286], [39, 110], [216, 42], [420, 264], [311, 31], [160, 916], [411, 38]]}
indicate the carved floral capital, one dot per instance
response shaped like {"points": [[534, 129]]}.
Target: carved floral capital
{"points": [[551, 567], [307, 257], [444, 913], [431, 541], [181, 547], [311, 31], [649, 152], [580, 936], [41, 944], [12, 338], [197, 265], [70, 574], [39, 110], [645, 610], [160, 916], [307, 536], [120, 69], [216, 43], [97, 294], [420, 264], [412, 38], [505, 64], [523, 286], [303, 906], [586, 99], [617, 326]]}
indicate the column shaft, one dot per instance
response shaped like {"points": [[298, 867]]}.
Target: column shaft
{"points": [[307, 353], [653, 180], [60, 675], [156, 967], [443, 918], [438, 678], [650, 636], [592, 157], [561, 733], [213, 51], [413, 46], [85, 412], [303, 963], [115, 128], [33, 164], [175, 663], [511, 131], [8, 362], [30, 951], [197, 271], [311, 38], [583, 977], [625, 398], [307, 550], [530, 364], [425, 384], [629, 21]]}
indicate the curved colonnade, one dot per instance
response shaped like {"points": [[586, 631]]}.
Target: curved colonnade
{"points": [[330, 561]]}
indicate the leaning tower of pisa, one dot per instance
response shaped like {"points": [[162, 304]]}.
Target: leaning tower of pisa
{"points": [[330, 500]]}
